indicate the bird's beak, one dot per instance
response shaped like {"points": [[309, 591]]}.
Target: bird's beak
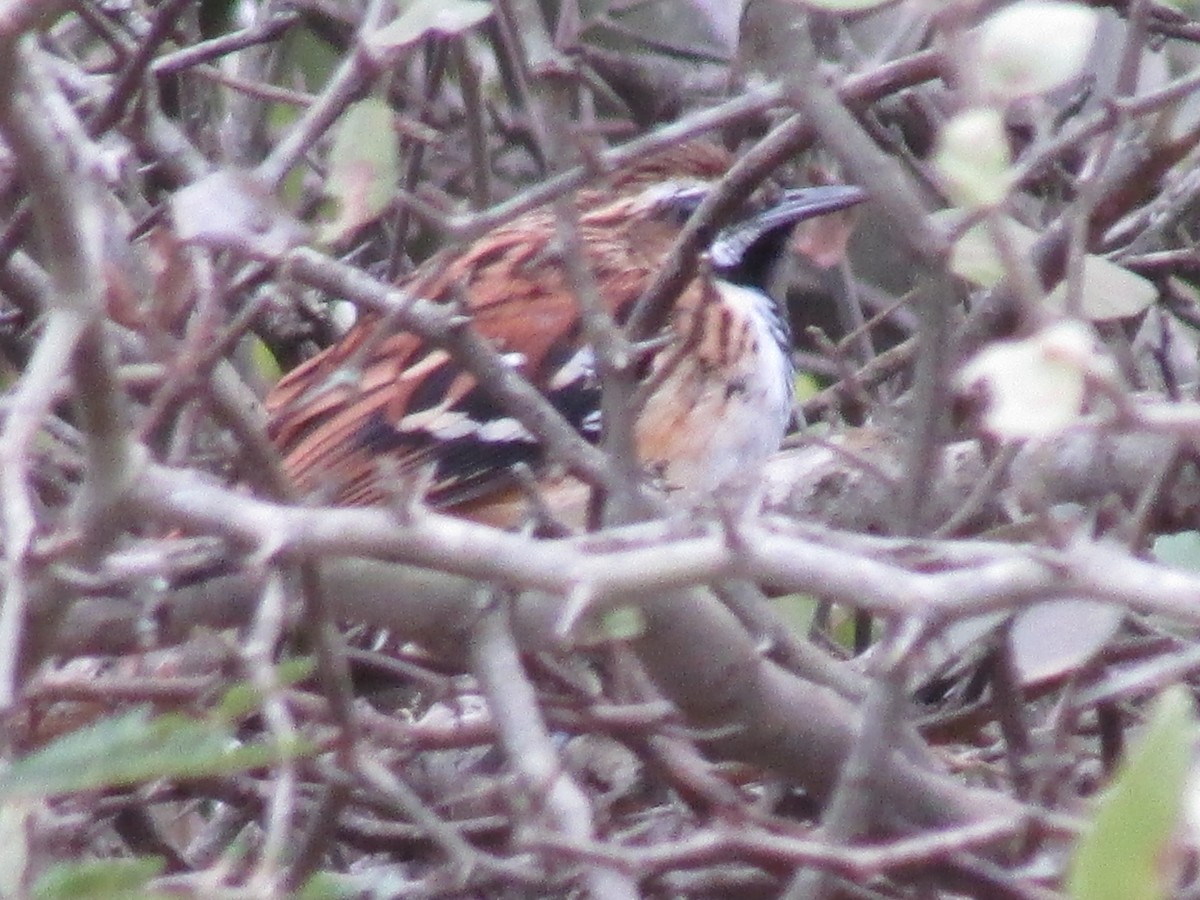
{"points": [[748, 244], [799, 204]]}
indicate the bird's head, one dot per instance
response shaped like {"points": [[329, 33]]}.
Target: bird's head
{"points": [[742, 251]]}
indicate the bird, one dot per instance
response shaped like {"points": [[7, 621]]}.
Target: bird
{"points": [[718, 380]]}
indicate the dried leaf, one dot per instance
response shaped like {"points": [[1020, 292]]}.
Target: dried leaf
{"points": [[823, 241], [1058, 637]]}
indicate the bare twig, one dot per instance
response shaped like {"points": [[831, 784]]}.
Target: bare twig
{"points": [[530, 749]]}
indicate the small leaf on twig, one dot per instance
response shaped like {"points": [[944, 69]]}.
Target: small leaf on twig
{"points": [[1034, 386], [425, 17], [1109, 291], [973, 159], [115, 879], [132, 748], [364, 166], [842, 6], [1125, 853], [1059, 637], [1034, 46]]}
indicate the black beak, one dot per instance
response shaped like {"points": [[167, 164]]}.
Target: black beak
{"points": [[744, 252]]}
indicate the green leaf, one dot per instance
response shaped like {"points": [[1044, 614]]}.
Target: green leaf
{"points": [[1189, 8], [974, 256], [842, 6], [693, 31], [364, 167], [266, 366], [308, 60], [1034, 46], [623, 623], [973, 159], [1034, 386], [113, 879], [14, 847], [1109, 291], [797, 610], [1181, 550], [1121, 856], [323, 886], [805, 386], [799, 613], [424, 17], [133, 748], [244, 698]]}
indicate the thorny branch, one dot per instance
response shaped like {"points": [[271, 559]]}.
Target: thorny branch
{"points": [[719, 751]]}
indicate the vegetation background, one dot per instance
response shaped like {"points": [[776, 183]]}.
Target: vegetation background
{"points": [[952, 656]]}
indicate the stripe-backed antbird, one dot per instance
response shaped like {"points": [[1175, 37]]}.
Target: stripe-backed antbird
{"points": [[717, 383]]}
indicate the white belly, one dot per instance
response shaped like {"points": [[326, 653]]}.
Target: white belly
{"points": [[756, 418], [719, 415]]}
